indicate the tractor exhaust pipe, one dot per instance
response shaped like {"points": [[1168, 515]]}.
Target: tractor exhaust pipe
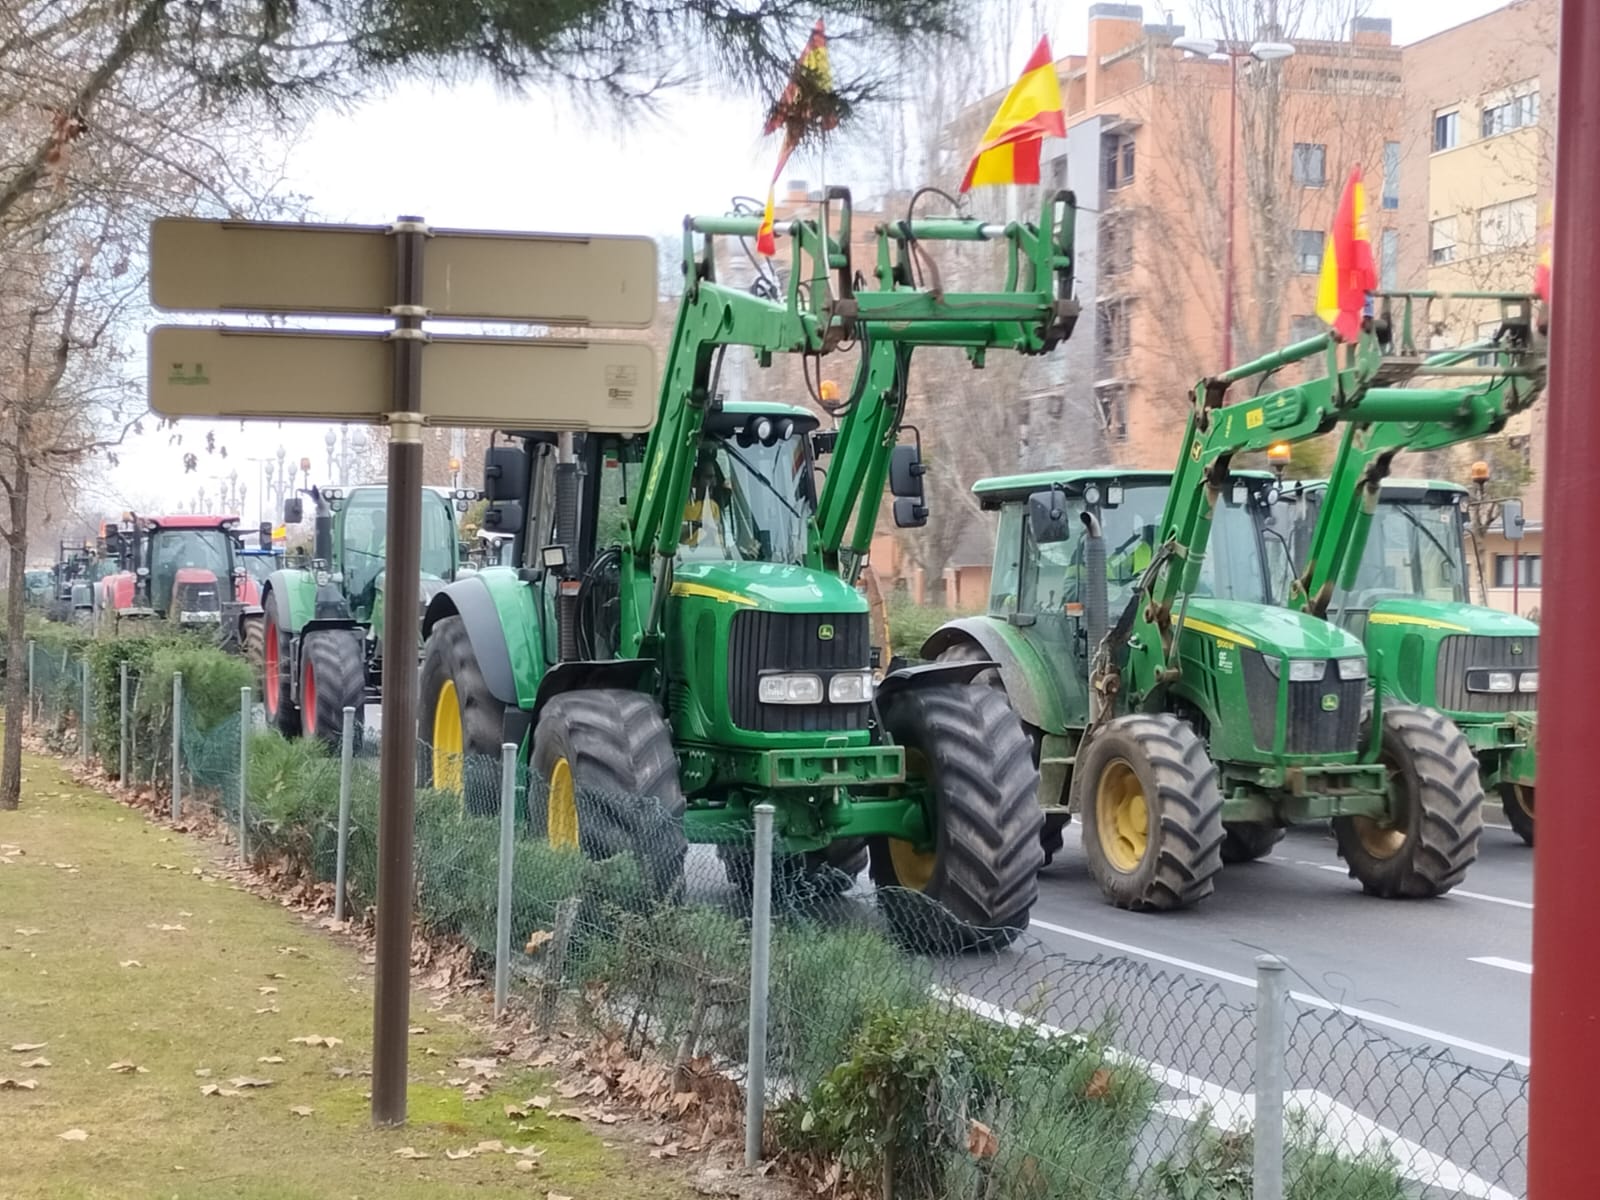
{"points": [[566, 533], [322, 529], [1096, 600]]}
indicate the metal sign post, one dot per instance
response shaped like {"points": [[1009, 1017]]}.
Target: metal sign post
{"points": [[403, 377]]}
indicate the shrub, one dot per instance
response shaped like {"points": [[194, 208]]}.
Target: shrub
{"points": [[911, 624]]}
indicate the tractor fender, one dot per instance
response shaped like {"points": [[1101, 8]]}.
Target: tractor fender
{"points": [[570, 676], [929, 675], [505, 661], [297, 592], [1028, 677]]}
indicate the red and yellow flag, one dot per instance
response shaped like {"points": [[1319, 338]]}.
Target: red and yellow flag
{"points": [[1541, 269], [797, 110], [1348, 270], [1031, 112]]}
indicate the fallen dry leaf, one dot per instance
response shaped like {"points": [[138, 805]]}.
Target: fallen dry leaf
{"points": [[418, 1029], [268, 990], [316, 1039], [527, 1164], [271, 1008], [670, 1150], [547, 1059], [540, 1102], [28, 932], [36, 1062], [301, 1110], [341, 1072], [456, 1155], [249, 1081], [132, 962], [475, 1091], [981, 1142], [270, 1058], [1099, 1084], [127, 1068], [537, 940], [556, 1196], [73, 1135], [568, 1114], [410, 1152], [491, 1146], [7, 1084], [516, 1112]]}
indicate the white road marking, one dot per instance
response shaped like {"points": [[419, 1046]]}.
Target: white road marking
{"points": [[1226, 1109], [1487, 899], [1306, 998], [1505, 964]]}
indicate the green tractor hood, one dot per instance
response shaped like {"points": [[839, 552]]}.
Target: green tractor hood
{"points": [[1450, 616], [777, 587], [1269, 629]]}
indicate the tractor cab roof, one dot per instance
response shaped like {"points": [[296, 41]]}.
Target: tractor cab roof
{"points": [[191, 521], [731, 417], [1415, 491], [998, 489]]}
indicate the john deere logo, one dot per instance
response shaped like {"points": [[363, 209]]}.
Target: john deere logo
{"points": [[825, 632], [1516, 647], [1330, 702]]}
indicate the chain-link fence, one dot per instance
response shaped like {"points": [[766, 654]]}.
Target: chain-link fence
{"points": [[1007, 1072]]}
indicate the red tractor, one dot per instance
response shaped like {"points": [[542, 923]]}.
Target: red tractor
{"points": [[181, 568]]}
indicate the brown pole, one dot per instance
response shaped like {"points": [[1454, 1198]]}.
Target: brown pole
{"points": [[397, 754], [1566, 921]]}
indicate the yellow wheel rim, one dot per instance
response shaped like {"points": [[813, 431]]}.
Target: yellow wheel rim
{"points": [[561, 819], [1122, 816], [447, 739], [913, 868], [1380, 839]]}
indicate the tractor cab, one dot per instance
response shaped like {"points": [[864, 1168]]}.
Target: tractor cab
{"points": [[360, 529], [190, 566]]}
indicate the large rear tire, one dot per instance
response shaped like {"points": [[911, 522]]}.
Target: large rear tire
{"points": [[1436, 810], [333, 676], [1517, 800], [277, 694], [253, 642], [460, 723], [975, 888], [1151, 812], [608, 783], [1244, 842]]}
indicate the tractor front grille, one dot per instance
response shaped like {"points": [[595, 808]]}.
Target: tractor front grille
{"points": [[1474, 652], [1309, 728], [768, 641]]}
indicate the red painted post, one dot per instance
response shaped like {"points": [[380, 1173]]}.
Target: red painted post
{"points": [[1233, 169], [1566, 922]]}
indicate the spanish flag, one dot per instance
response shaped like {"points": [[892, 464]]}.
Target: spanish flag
{"points": [[1031, 112], [1348, 272], [806, 103]]}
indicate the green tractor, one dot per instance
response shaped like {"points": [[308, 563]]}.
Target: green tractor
{"points": [[318, 639], [1185, 717], [682, 638]]}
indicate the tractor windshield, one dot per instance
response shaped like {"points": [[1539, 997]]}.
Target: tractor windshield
{"points": [[172, 550], [259, 566], [366, 526], [749, 503], [1414, 548]]}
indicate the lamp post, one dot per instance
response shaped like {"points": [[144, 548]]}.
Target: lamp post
{"points": [[1215, 51], [282, 453], [330, 440]]}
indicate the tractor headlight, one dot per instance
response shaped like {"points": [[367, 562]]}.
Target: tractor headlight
{"points": [[1491, 681], [1354, 667], [1301, 670], [1528, 681], [323, 578], [790, 689], [852, 688]]}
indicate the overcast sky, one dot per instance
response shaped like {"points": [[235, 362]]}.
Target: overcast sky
{"points": [[470, 156]]}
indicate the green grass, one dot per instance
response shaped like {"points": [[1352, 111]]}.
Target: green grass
{"points": [[192, 1005]]}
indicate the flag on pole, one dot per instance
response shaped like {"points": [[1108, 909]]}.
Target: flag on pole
{"points": [[801, 107], [1031, 112], [1541, 269], [1348, 271]]}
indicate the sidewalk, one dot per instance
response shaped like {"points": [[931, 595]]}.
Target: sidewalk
{"points": [[149, 1017]]}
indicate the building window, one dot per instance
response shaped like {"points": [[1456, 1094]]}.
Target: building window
{"points": [[1506, 226], [1116, 152], [1116, 247], [1445, 130], [1527, 572], [1308, 251], [1389, 260], [1058, 174], [1442, 244], [1116, 337], [1310, 164], [1391, 174], [1514, 111]]}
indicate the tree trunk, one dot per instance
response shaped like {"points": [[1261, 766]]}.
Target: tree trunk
{"points": [[16, 638]]}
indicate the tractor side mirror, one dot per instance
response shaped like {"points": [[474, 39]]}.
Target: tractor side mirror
{"points": [[1047, 518], [906, 471], [1511, 522], [264, 534], [503, 516], [505, 473], [294, 510], [910, 512]]}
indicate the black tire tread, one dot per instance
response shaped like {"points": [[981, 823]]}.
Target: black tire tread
{"points": [[287, 719], [985, 880], [1442, 841], [335, 658], [1520, 820], [1244, 842], [1188, 799]]}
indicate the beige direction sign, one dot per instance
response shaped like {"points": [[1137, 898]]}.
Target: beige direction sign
{"points": [[539, 383], [468, 274]]}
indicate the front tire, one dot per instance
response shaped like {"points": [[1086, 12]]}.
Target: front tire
{"points": [[1151, 812], [976, 887], [1517, 800], [333, 677], [460, 722], [1436, 810], [253, 642], [277, 695], [608, 783]]}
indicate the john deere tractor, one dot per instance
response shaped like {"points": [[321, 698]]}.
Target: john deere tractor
{"points": [[1184, 717], [683, 638], [318, 639]]}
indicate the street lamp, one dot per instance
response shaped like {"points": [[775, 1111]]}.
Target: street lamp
{"points": [[330, 440], [1215, 51], [282, 453]]}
